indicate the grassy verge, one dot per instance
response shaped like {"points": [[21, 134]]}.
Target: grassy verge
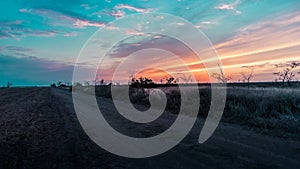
{"points": [[269, 110]]}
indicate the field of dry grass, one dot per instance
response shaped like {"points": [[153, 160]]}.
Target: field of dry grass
{"points": [[274, 111]]}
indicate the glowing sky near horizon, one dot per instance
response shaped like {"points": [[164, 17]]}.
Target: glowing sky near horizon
{"points": [[40, 40]]}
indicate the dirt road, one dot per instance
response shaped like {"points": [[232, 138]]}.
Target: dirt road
{"points": [[39, 129]]}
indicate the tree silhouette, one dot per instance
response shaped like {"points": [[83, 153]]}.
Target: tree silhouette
{"points": [[170, 80], [247, 76], [221, 77], [142, 82], [186, 78], [287, 74], [102, 82], [9, 84], [53, 85]]}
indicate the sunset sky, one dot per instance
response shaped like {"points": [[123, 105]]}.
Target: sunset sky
{"points": [[40, 40]]}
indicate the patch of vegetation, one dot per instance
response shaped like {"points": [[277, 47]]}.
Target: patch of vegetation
{"points": [[273, 111], [269, 107]]}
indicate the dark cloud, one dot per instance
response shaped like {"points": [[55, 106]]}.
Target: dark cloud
{"points": [[18, 29], [17, 48], [163, 42]]}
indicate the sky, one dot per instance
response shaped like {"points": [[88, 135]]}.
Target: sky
{"points": [[40, 41]]}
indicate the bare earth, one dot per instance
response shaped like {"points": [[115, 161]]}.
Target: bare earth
{"points": [[39, 129]]}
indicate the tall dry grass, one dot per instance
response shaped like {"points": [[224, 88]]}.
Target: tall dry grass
{"points": [[275, 111]]}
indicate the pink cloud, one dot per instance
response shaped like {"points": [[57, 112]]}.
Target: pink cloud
{"points": [[157, 37], [118, 14], [133, 32]]}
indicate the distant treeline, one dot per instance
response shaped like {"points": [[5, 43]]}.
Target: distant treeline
{"points": [[159, 85]]}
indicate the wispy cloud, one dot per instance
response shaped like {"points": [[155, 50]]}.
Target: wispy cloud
{"points": [[17, 48], [67, 19], [21, 28], [68, 34], [205, 24], [25, 10], [269, 41], [17, 51], [229, 6], [133, 32], [255, 66], [18, 31], [278, 33], [42, 33], [9, 29], [84, 23], [117, 13], [88, 7], [132, 8], [55, 20]]}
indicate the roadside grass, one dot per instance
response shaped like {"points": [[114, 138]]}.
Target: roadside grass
{"points": [[273, 111]]}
